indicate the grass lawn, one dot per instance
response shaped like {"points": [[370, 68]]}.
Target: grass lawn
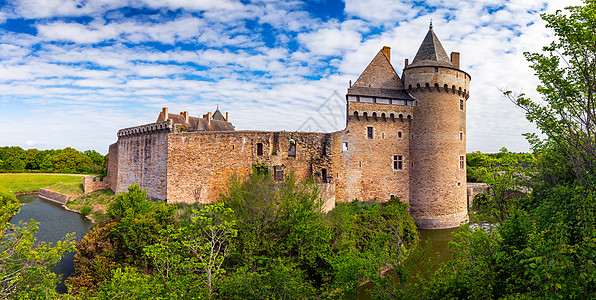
{"points": [[93, 204], [10, 182]]}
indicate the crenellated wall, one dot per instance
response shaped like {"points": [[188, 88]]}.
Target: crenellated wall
{"points": [[94, 183], [142, 159]]}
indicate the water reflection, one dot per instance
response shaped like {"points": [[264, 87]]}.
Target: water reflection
{"points": [[54, 223]]}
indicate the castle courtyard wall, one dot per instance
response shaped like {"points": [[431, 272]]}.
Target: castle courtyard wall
{"points": [[200, 164]]}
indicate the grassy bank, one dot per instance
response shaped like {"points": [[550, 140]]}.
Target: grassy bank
{"points": [[33, 182], [93, 204]]}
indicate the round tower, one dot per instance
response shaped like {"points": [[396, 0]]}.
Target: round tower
{"points": [[438, 136]]}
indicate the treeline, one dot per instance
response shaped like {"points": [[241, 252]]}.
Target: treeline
{"points": [[67, 160], [478, 164]]}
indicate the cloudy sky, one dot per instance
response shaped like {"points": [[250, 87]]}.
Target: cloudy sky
{"points": [[74, 72]]}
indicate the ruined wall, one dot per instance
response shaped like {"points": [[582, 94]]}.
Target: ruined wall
{"points": [[94, 183], [142, 159], [366, 169], [201, 163], [438, 183], [54, 196]]}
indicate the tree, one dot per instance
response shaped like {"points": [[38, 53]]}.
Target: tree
{"points": [[567, 71], [70, 159], [24, 263], [15, 158]]}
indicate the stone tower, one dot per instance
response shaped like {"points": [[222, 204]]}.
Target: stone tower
{"points": [[375, 144], [438, 135]]}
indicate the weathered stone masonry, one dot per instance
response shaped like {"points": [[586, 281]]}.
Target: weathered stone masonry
{"points": [[404, 137]]}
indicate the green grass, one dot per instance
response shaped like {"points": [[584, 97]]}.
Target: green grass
{"points": [[67, 188], [97, 201], [33, 182]]}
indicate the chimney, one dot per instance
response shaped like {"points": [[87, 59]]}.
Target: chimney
{"points": [[387, 51], [455, 59], [164, 112], [406, 63], [209, 118], [184, 115], [227, 117]]}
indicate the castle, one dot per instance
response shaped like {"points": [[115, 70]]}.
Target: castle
{"points": [[404, 137]]}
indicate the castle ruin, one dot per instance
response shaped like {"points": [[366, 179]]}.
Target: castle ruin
{"points": [[404, 137]]}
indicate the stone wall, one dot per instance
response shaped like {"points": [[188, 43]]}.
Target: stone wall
{"points": [[200, 164], [54, 196], [142, 154], [94, 183], [366, 164], [112, 177]]}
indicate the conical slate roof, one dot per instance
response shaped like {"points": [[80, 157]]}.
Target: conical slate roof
{"points": [[431, 52], [379, 74]]}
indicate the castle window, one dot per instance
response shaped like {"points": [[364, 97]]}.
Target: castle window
{"points": [[292, 149], [383, 135], [461, 104], [461, 136], [259, 149], [278, 173], [436, 70], [374, 115], [398, 162], [399, 134], [324, 175], [356, 114], [462, 162], [345, 147], [369, 132], [412, 136], [324, 153]]}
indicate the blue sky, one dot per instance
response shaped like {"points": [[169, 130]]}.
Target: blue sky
{"points": [[74, 72]]}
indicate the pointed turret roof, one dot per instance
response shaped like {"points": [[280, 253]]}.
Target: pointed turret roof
{"points": [[380, 73], [217, 115], [431, 52]]}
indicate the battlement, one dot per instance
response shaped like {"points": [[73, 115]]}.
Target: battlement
{"points": [[148, 128], [436, 88]]}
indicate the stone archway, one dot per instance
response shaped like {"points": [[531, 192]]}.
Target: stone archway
{"points": [[475, 189]]}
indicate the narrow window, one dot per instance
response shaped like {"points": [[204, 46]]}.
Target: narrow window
{"points": [[360, 164], [399, 134], [436, 70], [412, 136], [259, 149], [392, 197], [398, 162], [324, 152], [278, 174], [324, 175], [345, 147], [383, 135], [292, 149], [233, 147], [461, 104], [369, 132], [461, 136], [462, 162]]}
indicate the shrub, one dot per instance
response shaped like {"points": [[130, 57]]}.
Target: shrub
{"points": [[86, 210]]}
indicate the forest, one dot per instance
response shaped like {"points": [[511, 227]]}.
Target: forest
{"points": [[68, 160], [532, 236]]}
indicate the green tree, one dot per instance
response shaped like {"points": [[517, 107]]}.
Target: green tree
{"points": [[24, 263], [70, 159], [15, 158]]}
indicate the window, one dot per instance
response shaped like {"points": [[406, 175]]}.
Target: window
{"points": [[383, 135], [461, 104], [324, 175], [345, 147], [412, 136], [398, 162], [462, 162], [259, 149], [292, 148], [369, 132], [278, 173], [461, 136], [399, 134]]}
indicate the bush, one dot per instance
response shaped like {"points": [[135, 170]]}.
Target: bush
{"points": [[86, 210]]}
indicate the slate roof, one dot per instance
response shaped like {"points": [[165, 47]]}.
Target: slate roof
{"points": [[202, 124], [431, 53], [379, 74], [379, 92], [218, 116]]}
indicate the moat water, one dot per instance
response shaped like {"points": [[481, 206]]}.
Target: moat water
{"points": [[54, 223]]}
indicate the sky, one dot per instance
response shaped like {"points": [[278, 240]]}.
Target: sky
{"points": [[72, 73]]}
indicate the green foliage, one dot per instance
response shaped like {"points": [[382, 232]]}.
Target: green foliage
{"points": [[86, 210], [24, 263], [67, 160], [33, 182]]}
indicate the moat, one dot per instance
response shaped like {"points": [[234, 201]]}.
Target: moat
{"points": [[54, 223]]}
